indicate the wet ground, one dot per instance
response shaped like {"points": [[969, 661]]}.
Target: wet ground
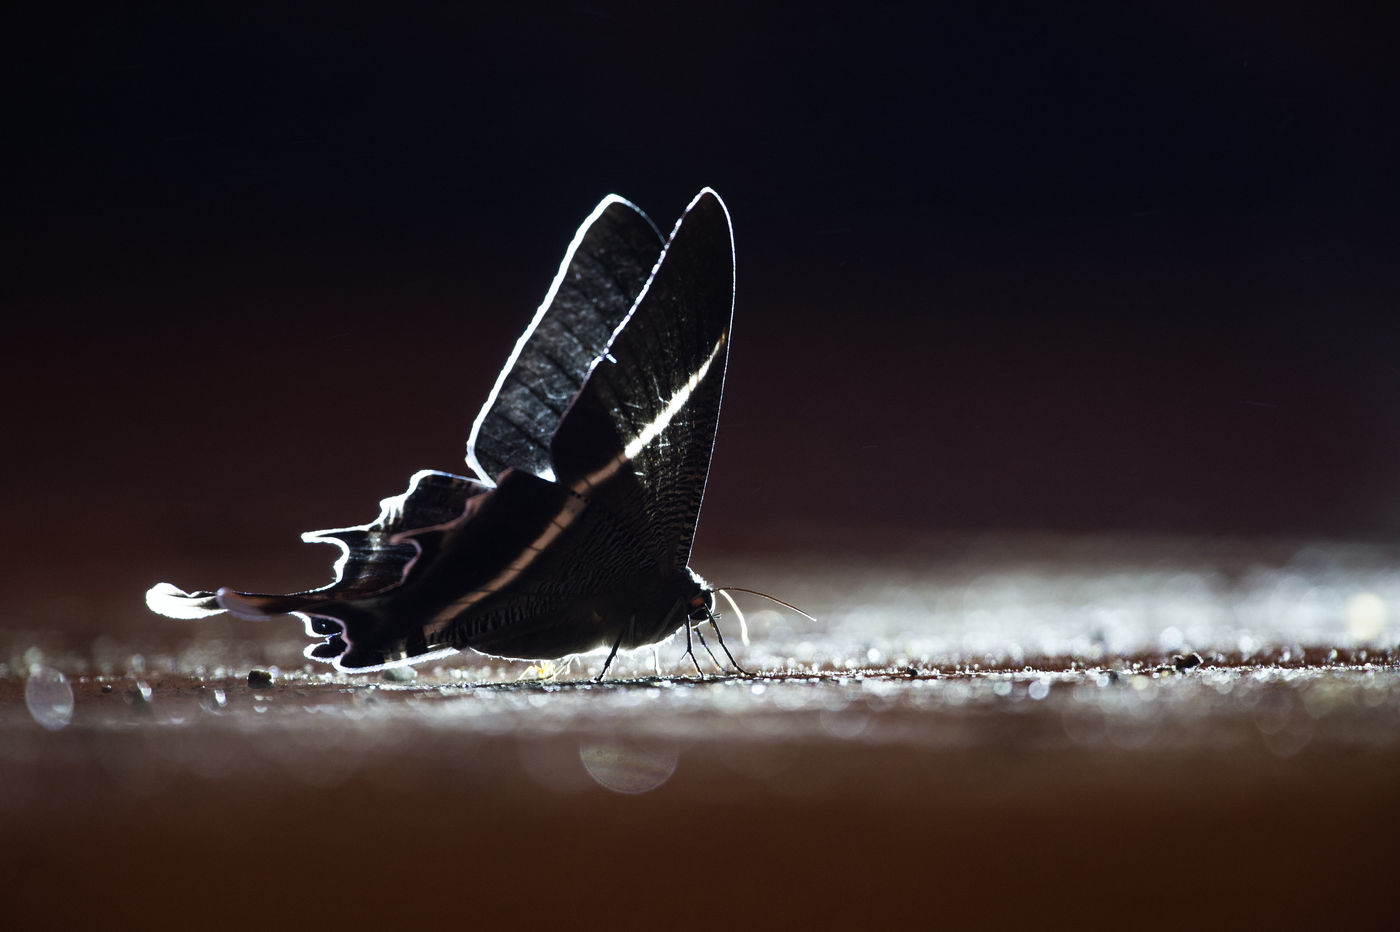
{"points": [[1058, 730]]}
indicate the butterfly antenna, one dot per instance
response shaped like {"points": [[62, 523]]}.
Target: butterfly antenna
{"points": [[728, 589], [743, 622]]}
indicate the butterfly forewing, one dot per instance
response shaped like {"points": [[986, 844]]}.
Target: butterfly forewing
{"points": [[634, 449], [648, 411], [598, 281]]}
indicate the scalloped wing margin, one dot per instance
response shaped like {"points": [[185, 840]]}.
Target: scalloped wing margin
{"points": [[374, 557]]}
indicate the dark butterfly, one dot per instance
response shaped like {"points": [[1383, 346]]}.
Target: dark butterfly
{"points": [[591, 456]]}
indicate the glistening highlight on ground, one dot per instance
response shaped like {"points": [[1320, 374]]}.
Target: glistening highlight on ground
{"points": [[988, 684]]}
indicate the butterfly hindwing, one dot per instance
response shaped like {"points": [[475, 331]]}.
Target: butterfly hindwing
{"points": [[374, 556]]}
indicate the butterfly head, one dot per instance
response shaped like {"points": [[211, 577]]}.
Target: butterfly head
{"points": [[701, 606]]}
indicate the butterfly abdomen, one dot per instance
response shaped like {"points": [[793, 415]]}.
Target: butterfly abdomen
{"points": [[641, 609]]}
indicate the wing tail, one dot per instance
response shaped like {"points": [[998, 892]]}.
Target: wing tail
{"points": [[375, 558]]}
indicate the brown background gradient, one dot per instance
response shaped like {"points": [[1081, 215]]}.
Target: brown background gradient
{"points": [[1073, 269], [1002, 268]]}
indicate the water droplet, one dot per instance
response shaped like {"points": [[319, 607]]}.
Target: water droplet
{"points": [[138, 696], [627, 768], [212, 700], [49, 698]]}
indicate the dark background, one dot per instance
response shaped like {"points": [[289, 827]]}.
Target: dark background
{"points": [[999, 267]]}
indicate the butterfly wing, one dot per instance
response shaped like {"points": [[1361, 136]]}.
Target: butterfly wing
{"points": [[374, 556], [630, 458], [604, 498], [605, 267], [648, 411]]}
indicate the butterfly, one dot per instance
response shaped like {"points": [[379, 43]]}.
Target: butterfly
{"points": [[590, 457]]}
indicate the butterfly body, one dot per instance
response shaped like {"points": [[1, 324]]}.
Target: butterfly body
{"points": [[601, 427]]}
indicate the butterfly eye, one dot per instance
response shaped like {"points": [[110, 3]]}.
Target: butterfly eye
{"points": [[700, 606]]}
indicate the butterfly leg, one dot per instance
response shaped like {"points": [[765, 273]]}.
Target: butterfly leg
{"points": [[705, 644], [690, 650], [722, 646], [607, 663]]}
